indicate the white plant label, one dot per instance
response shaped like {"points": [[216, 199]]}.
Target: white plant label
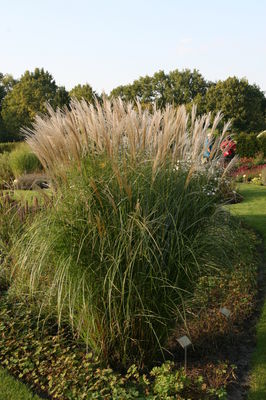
{"points": [[184, 341]]}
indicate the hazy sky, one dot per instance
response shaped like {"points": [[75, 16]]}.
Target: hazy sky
{"points": [[109, 43]]}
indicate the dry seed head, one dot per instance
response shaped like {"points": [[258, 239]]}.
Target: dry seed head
{"points": [[121, 131]]}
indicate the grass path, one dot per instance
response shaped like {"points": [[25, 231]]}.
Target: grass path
{"points": [[11, 389], [253, 211]]}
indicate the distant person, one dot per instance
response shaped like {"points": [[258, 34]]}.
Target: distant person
{"points": [[228, 147], [207, 147]]}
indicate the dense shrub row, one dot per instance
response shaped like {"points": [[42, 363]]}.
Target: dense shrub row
{"points": [[248, 145]]}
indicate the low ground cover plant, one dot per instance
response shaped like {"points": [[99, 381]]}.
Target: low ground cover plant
{"points": [[52, 362]]}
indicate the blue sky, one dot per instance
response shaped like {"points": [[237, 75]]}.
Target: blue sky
{"points": [[108, 43]]}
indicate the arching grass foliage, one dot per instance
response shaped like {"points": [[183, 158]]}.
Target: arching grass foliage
{"points": [[135, 224]]}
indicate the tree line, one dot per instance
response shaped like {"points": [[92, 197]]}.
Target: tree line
{"points": [[243, 103]]}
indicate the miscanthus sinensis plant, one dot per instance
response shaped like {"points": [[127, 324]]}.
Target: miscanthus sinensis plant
{"points": [[131, 229]]}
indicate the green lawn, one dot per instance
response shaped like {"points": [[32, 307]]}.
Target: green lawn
{"points": [[11, 389], [253, 211]]}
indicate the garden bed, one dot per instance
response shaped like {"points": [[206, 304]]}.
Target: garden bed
{"points": [[55, 365]]}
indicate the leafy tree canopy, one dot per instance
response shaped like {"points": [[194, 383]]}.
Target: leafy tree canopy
{"points": [[84, 92], [28, 97], [245, 104], [6, 84], [177, 87]]}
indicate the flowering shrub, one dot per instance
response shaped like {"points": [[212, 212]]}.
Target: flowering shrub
{"points": [[246, 174]]}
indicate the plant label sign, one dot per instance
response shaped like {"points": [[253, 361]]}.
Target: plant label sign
{"points": [[225, 312], [184, 341]]}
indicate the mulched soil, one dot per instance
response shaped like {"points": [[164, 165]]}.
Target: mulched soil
{"points": [[236, 349]]}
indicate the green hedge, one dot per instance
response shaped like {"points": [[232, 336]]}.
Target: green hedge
{"points": [[7, 147], [248, 144]]}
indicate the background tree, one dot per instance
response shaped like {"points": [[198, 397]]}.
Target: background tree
{"points": [[28, 97], [187, 85], [245, 104], [177, 87], [61, 98], [125, 92], [141, 90], [6, 84], [84, 92], [161, 89]]}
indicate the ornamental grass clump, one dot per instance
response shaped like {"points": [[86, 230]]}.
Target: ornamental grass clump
{"points": [[127, 238], [22, 160]]}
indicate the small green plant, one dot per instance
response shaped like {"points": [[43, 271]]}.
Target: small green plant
{"points": [[257, 180], [22, 160]]}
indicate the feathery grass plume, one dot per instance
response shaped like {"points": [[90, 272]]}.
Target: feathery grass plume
{"points": [[124, 244], [121, 131]]}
